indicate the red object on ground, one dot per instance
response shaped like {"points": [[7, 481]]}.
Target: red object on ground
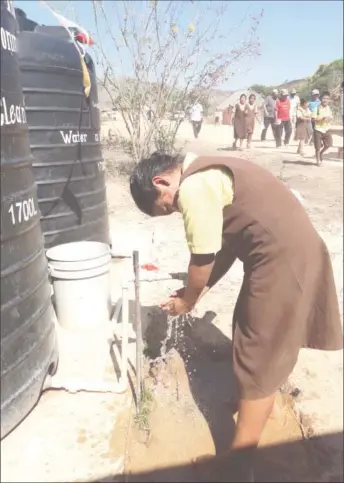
{"points": [[150, 267]]}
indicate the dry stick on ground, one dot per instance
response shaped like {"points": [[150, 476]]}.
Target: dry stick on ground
{"points": [[151, 62]]}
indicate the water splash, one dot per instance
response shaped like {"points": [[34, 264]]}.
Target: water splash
{"points": [[177, 323]]}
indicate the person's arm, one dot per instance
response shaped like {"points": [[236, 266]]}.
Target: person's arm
{"points": [[200, 269], [200, 202], [277, 111], [256, 113], [224, 259], [266, 114]]}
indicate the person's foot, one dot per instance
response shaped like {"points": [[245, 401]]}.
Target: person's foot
{"points": [[320, 159]]}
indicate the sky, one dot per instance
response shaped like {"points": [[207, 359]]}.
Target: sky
{"points": [[295, 36]]}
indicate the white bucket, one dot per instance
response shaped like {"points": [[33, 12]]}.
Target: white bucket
{"points": [[80, 273]]}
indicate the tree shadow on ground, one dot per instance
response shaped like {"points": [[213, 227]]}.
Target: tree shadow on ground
{"points": [[272, 464], [227, 148], [310, 163], [333, 157]]}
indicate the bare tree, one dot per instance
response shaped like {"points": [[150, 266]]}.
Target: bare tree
{"points": [[159, 57]]}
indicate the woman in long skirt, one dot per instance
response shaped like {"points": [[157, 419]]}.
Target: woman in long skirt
{"points": [[239, 121], [251, 115], [302, 119]]}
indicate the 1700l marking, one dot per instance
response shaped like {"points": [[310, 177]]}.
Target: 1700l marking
{"points": [[22, 211]]}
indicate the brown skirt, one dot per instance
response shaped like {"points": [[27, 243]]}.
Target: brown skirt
{"points": [[301, 130], [276, 316], [239, 124]]}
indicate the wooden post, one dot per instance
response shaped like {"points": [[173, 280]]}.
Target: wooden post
{"points": [[138, 330]]}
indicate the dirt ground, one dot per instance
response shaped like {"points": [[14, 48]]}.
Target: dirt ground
{"points": [[94, 437]]}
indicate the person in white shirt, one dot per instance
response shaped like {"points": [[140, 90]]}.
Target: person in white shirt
{"points": [[294, 103], [196, 118], [218, 117]]}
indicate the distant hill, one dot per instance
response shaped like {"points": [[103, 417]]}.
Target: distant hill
{"points": [[326, 78]]}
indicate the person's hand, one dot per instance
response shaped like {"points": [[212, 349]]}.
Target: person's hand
{"points": [[176, 306], [169, 305]]}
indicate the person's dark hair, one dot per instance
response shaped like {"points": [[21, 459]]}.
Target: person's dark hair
{"points": [[142, 188], [325, 93]]}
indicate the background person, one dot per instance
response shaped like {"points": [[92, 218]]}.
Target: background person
{"points": [[294, 102], [282, 122], [322, 117], [301, 129], [218, 117], [313, 104], [196, 117], [251, 112], [239, 121], [269, 114]]}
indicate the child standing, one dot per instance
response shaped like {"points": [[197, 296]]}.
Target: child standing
{"points": [[303, 115], [251, 112], [239, 122], [322, 117]]}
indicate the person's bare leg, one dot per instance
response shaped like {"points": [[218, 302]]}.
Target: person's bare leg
{"points": [[321, 154], [249, 138], [318, 157], [252, 418], [301, 147], [241, 143]]}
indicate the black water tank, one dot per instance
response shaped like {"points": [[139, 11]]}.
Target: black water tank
{"points": [[64, 131], [28, 338]]}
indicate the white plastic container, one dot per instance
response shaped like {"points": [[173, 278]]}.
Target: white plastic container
{"points": [[80, 273]]}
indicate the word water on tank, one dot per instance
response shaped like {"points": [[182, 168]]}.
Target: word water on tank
{"points": [[28, 340]]}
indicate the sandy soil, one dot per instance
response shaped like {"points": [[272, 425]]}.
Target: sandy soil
{"points": [[92, 437]]}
